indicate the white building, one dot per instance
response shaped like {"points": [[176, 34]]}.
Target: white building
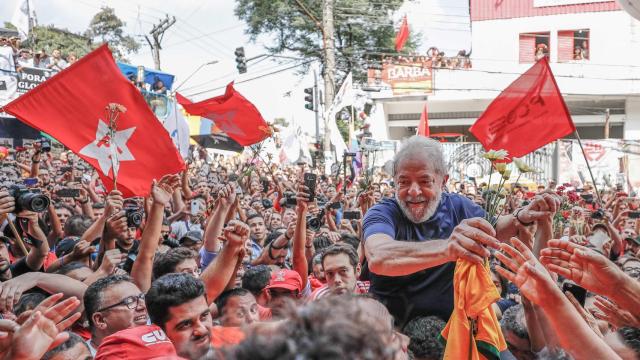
{"points": [[505, 35]]}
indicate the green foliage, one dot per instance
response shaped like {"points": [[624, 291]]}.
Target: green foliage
{"points": [[281, 122], [362, 27], [343, 124], [50, 38], [106, 27], [8, 25]]}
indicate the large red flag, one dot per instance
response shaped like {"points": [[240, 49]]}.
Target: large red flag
{"points": [[71, 108], [423, 127], [403, 34], [527, 115], [231, 113]]}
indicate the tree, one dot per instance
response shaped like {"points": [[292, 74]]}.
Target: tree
{"points": [[106, 27], [49, 38], [363, 30]]}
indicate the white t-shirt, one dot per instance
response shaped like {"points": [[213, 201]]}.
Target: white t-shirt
{"points": [[6, 59]]}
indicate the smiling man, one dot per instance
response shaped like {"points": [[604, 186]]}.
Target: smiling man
{"points": [[113, 304], [177, 303], [413, 240]]}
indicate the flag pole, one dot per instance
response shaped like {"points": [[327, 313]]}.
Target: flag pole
{"points": [[584, 154]]}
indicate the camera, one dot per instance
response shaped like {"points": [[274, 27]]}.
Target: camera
{"points": [[45, 145], [267, 204], [28, 199], [134, 214], [290, 199], [598, 214], [315, 222]]}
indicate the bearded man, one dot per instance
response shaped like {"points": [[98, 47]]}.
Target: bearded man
{"points": [[413, 240]]}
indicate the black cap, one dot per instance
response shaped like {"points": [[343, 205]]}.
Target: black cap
{"points": [[65, 246], [192, 236]]}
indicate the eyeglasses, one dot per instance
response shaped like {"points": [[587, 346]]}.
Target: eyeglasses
{"points": [[130, 301]]}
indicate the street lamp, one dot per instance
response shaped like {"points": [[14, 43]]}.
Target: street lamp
{"points": [[193, 73]]}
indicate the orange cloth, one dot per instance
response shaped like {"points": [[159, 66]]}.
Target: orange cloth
{"points": [[226, 336], [473, 294]]}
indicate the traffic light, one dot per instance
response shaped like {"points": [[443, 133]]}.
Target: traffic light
{"points": [[241, 61], [308, 99]]}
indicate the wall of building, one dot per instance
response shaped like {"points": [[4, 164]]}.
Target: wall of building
{"points": [[507, 9]]}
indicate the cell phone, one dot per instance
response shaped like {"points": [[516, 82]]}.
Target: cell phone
{"points": [[265, 185], [335, 205], [351, 215], [86, 179], [233, 177], [578, 292], [30, 182], [195, 207], [310, 183], [65, 169], [68, 193], [634, 215]]}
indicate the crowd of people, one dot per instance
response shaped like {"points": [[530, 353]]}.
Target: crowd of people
{"points": [[241, 258], [14, 57], [433, 58]]}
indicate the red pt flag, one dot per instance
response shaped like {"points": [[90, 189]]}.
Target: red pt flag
{"points": [[71, 108], [423, 127], [527, 115], [231, 113], [403, 34]]}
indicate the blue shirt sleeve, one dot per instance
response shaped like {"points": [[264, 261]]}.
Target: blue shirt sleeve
{"points": [[470, 209], [206, 257], [379, 220]]}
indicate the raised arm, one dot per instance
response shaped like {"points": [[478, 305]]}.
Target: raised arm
{"points": [[390, 257], [216, 276], [40, 249], [300, 263], [535, 283], [141, 271], [226, 198], [593, 272]]}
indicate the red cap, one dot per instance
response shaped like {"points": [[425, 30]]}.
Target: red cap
{"points": [[285, 279], [138, 343]]}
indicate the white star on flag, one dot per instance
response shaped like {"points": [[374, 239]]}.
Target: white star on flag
{"points": [[101, 150]]}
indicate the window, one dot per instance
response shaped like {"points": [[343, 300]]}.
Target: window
{"points": [[573, 45], [534, 46]]}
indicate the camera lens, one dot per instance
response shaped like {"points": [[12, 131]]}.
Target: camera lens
{"points": [[37, 202]]}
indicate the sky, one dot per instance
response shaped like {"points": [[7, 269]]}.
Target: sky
{"points": [[207, 30]]}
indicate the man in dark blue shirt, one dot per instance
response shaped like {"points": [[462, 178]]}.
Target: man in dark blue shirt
{"points": [[413, 240]]}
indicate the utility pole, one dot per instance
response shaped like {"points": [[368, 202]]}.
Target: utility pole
{"points": [[329, 67], [157, 32]]}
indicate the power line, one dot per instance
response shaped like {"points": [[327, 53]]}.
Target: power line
{"points": [[257, 77]]}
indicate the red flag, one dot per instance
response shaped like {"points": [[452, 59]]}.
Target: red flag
{"points": [[527, 115], [233, 114], [423, 127], [403, 34], [71, 108]]}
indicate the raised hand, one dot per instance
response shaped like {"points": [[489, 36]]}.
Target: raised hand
{"points": [[467, 240], [236, 233], [116, 224], [526, 272], [543, 206], [614, 315], [43, 329], [7, 203], [162, 190], [583, 266], [114, 202], [227, 195], [112, 258], [81, 250]]}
